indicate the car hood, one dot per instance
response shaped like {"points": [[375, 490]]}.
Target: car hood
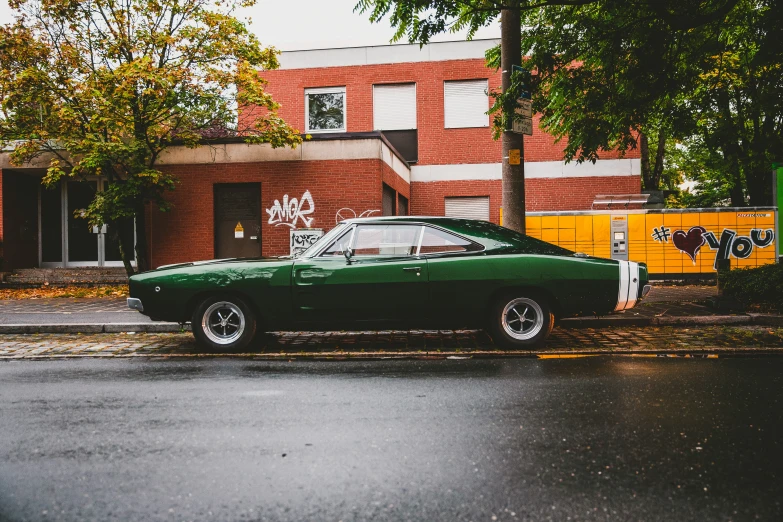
{"points": [[225, 261]]}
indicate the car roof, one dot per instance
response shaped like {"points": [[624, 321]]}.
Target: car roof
{"points": [[477, 230], [439, 220]]}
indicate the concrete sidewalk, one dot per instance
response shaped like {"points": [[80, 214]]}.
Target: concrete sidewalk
{"points": [[665, 306]]}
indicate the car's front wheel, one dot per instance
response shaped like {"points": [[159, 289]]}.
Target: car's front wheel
{"points": [[521, 321], [224, 323]]}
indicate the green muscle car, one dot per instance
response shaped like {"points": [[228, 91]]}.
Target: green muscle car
{"points": [[393, 273]]}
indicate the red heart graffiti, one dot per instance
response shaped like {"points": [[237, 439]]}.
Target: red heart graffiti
{"points": [[691, 242]]}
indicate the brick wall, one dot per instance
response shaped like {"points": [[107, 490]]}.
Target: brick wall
{"points": [[437, 145], [541, 194], [186, 233]]}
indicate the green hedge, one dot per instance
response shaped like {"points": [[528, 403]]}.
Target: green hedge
{"points": [[762, 285]]}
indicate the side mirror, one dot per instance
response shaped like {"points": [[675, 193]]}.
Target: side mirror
{"points": [[347, 253]]}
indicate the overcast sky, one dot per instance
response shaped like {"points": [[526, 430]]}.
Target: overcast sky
{"points": [[313, 24]]}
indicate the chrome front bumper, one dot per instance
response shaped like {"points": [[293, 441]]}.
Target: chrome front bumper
{"points": [[135, 304]]}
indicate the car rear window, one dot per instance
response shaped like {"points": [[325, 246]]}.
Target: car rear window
{"points": [[530, 245]]}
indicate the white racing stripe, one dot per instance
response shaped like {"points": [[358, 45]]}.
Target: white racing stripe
{"points": [[628, 288]]}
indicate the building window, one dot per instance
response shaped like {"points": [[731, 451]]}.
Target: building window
{"points": [[325, 109], [394, 106], [394, 114], [465, 104], [402, 205], [468, 207], [387, 200]]}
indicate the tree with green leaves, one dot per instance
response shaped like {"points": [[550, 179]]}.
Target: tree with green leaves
{"points": [[620, 74], [104, 87]]}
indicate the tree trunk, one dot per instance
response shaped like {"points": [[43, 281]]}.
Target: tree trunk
{"points": [[659, 155], [125, 248], [142, 254], [730, 147], [644, 151], [513, 184], [737, 195]]}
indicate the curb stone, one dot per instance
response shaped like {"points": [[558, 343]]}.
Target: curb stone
{"points": [[696, 353], [693, 320], [577, 322], [73, 328]]}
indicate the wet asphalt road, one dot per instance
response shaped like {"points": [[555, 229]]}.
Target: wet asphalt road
{"points": [[523, 439]]}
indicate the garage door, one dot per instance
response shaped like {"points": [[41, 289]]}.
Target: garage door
{"points": [[468, 207]]}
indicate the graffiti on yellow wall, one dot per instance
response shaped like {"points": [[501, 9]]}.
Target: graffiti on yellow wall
{"points": [[669, 241]]}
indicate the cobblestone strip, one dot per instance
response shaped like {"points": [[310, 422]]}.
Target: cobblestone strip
{"points": [[62, 304], [388, 343]]}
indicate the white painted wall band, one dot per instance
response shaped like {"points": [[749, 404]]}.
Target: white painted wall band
{"points": [[382, 54], [533, 170]]}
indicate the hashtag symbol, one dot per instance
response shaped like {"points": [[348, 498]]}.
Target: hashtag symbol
{"points": [[661, 235]]}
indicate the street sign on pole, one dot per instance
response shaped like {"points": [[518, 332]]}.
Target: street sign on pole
{"points": [[524, 107], [523, 126]]}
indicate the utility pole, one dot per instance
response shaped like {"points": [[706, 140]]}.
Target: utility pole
{"points": [[513, 183]]}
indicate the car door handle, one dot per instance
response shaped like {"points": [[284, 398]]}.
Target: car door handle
{"points": [[416, 269]]}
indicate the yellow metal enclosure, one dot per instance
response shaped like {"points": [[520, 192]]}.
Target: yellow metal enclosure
{"points": [[672, 242]]}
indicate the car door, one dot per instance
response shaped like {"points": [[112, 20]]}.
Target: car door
{"points": [[384, 282], [460, 278]]}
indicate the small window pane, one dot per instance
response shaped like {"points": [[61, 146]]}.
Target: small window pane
{"points": [[437, 241], [465, 104], [326, 111], [386, 240], [339, 246]]}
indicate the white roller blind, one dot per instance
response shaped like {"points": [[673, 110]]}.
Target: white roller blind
{"points": [[468, 207], [394, 106], [465, 104]]}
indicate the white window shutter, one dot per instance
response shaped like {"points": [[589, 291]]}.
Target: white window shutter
{"points": [[465, 104], [394, 106], [468, 207]]}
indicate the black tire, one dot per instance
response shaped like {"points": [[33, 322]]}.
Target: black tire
{"points": [[520, 320], [224, 323]]}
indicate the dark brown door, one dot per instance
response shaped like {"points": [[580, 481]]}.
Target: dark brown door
{"points": [[238, 220]]}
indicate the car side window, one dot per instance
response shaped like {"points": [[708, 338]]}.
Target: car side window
{"points": [[386, 240], [340, 245], [436, 241]]}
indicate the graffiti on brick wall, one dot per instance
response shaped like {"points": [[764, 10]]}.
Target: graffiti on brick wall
{"points": [[729, 244], [349, 213], [303, 239], [291, 211]]}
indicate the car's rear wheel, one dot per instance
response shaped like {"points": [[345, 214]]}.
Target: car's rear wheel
{"points": [[224, 323], [521, 320]]}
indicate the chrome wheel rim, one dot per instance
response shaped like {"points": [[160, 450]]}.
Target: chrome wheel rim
{"points": [[223, 323], [522, 318]]}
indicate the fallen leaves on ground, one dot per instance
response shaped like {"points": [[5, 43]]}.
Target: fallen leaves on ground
{"points": [[45, 292]]}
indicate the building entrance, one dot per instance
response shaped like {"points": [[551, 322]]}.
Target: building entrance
{"points": [[66, 239]]}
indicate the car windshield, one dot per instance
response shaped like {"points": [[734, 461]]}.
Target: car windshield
{"points": [[325, 239]]}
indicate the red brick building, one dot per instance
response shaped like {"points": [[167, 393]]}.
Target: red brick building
{"points": [[395, 130]]}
